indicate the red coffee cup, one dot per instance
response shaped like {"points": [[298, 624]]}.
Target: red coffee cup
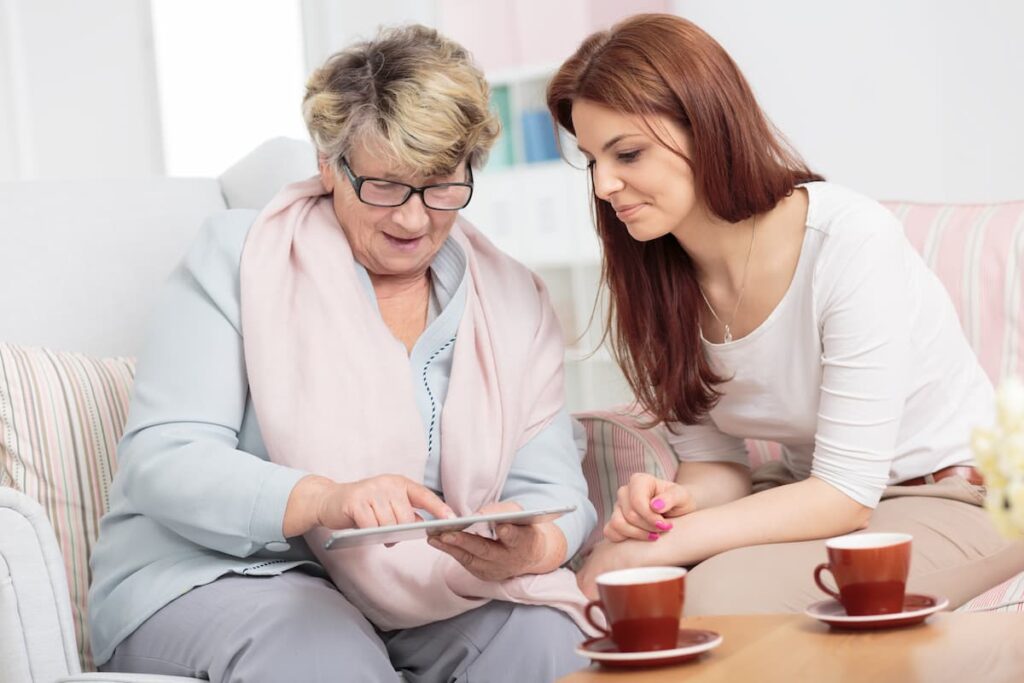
{"points": [[870, 571], [643, 607]]}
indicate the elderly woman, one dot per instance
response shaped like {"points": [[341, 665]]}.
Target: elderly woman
{"points": [[351, 355]]}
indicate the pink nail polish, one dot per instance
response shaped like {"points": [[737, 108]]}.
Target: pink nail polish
{"points": [[653, 536], [664, 526], [657, 504]]}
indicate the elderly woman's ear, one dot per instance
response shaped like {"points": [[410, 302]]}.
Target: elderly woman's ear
{"points": [[326, 173]]}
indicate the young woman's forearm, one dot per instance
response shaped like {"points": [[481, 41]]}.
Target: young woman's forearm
{"points": [[802, 511], [714, 483]]}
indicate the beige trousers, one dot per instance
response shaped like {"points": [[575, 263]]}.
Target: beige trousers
{"points": [[957, 553]]}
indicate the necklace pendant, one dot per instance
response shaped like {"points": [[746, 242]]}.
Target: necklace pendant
{"points": [[728, 334]]}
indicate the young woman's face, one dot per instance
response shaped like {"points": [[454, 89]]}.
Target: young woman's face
{"points": [[649, 185]]}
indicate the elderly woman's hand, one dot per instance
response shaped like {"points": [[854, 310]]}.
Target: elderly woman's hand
{"points": [[376, 501], [518, 550]]}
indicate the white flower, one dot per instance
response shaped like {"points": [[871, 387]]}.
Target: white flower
{"points": [[1011, 454], [983, 442], [1015, 496], [1010, 404], [999, 453]]}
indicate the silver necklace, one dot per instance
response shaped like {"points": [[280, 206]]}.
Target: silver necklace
{"points": [[743, 287]]}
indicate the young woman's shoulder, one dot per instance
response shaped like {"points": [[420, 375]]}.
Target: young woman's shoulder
{"points": [[846, 216], [859, 238]]}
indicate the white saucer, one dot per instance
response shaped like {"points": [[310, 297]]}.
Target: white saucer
{"points": [[916, 608], [692, 642]]}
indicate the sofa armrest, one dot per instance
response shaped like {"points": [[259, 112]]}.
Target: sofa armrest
{"points": [[37, 635]]}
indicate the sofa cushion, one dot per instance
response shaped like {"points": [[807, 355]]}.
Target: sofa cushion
{"points": [[254, 180], [61, 416], [977, 252]]}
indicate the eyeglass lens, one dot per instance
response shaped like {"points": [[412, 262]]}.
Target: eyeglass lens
{"points": [[384, 193]]}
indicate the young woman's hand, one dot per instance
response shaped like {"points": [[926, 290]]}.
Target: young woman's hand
{"points": [[644, 508], [517, 550]]}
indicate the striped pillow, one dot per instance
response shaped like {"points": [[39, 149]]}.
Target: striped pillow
{"points": [[61, 416]]}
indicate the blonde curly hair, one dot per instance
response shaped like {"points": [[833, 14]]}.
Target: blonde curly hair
{"points": [[411, 88]]}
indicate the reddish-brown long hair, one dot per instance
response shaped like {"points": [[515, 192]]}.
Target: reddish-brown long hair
{"points": [[659, 64]]}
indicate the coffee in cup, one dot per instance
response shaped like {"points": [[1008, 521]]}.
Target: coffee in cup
{"points": [[870, 571], [642, 606]]}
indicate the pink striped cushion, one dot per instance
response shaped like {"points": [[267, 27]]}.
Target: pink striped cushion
{"points": [[617, 447], [61, 416], [977, 250]]}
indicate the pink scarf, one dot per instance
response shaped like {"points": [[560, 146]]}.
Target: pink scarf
{"points": [[333, 395]]}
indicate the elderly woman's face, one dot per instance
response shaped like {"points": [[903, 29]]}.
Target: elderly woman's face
{"points": [[390, 241]]}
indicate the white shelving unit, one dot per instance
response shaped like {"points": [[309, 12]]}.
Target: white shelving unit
{"points": [[539, 212]]}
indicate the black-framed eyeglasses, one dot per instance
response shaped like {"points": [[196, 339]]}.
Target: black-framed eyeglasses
{"points": [[388, 193]]}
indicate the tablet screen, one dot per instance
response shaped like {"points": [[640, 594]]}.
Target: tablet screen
{"points": [[396, 533]]}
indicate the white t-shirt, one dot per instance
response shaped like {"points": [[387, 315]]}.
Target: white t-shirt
{"points": [[862, 372]]}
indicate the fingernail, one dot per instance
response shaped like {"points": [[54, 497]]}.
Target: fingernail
{"points": [[653, 536], [447, 538], [449, 514], [664, 526], [657, 503], [504, 531]]}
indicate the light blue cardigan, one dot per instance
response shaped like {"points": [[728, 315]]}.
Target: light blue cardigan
{"points": [[196, 497]]}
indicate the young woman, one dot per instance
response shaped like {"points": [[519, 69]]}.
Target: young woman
{"points": [[751, 299]]}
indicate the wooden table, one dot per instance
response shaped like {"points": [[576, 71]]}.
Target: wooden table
{"points": [[955, 647]]}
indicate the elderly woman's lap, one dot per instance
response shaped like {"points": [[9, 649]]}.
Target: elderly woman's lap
{"points": [[299, 627]]}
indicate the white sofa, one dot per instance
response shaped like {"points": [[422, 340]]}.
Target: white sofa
{"points": [[80, 262]]}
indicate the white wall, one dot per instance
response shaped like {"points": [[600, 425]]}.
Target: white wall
{"points": [[230, 75], [329, 25], [77, 94], [916, 99]]}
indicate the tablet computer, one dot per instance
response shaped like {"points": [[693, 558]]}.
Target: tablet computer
{"points": [[396, 533]]}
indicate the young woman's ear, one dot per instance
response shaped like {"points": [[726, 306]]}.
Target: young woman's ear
{"points": [[326, 173]]}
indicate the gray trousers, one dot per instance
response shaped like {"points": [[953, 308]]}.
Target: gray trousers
{"points": [[297, 627]]}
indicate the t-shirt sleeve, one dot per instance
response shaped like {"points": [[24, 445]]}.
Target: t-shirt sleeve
{"points": [[863, 305], [704, 442]]}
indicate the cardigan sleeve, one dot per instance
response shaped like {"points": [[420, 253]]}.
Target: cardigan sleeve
{"points": [[703, 442], [546, 472], [179, 461]]}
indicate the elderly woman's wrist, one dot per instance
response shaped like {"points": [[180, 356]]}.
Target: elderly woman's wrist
{"points": [[305, 504], [555, 548]]}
